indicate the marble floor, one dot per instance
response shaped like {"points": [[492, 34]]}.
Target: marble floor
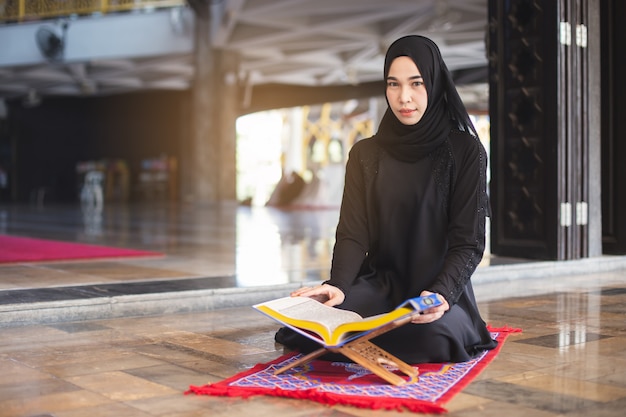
{"points": [[570, 359]]}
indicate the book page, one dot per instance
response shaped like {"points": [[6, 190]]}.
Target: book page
{"points": [[332, 326], [304, 308]]}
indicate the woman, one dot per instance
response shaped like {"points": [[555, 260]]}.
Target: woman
{"points": [[412, 219]]}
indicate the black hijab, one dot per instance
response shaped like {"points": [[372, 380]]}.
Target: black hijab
{"points": [[445, 109]]}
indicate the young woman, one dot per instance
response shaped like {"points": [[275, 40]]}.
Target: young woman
{"points": [[412, 219]]}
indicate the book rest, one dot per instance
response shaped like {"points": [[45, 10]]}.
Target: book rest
{"points": [[366, 354]]}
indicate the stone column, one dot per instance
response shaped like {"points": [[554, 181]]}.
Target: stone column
{"points": [[208, 169]]}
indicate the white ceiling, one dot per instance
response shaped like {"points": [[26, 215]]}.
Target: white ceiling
{"points": [[321, 42], [303, 42]]}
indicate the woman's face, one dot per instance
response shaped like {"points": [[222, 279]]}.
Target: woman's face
{"points": [[406, 92]]}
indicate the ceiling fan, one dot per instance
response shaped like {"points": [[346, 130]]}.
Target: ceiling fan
{"points": [[51, 41]]}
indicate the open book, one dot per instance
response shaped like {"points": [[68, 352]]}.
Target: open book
{"points": [[332, 326]]}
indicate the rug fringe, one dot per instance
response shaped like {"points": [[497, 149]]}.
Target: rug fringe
{"points": [[329, 399]]}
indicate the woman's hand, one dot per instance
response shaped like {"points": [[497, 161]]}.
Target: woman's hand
{"points": [[432, 314], [325, 293]]}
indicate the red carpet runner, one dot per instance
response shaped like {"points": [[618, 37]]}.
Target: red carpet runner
{"points": [[350, 384], [21, 249]]}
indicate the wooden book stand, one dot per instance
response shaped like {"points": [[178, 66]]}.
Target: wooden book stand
{"points": [[366, 354]]}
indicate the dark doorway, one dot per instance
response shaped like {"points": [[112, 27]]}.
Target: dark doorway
{"points": [[613, 127]]}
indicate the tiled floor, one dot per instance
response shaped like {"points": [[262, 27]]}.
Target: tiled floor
{"points": [[569, 361]]}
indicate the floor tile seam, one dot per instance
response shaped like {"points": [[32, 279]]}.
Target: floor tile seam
{"points": [[200, 354]]}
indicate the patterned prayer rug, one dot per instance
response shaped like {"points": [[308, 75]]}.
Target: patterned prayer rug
{"points": [[350, 384], [15, 249]]}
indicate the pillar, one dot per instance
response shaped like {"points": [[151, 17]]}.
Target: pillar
{"points": [[209, 176]]}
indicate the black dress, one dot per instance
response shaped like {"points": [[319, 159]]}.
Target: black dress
{"points": [[406, 227]]}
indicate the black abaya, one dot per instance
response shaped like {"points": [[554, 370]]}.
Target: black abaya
{"points": [[409, 227]]}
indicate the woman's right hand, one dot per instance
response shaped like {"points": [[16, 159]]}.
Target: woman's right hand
{"points": [[432, 314], [325, 293]]}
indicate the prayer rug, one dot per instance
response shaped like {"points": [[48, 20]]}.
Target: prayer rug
{"points": [[350, 384], [15, 249]]}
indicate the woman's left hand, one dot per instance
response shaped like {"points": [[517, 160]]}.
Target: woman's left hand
{"points": [[432, 314]]}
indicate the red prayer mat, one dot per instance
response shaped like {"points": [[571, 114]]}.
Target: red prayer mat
{"points": [[22, 249], [350, 384]]}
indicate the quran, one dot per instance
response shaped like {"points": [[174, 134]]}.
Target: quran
{"points": [[348, 333], [333, 327]]}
